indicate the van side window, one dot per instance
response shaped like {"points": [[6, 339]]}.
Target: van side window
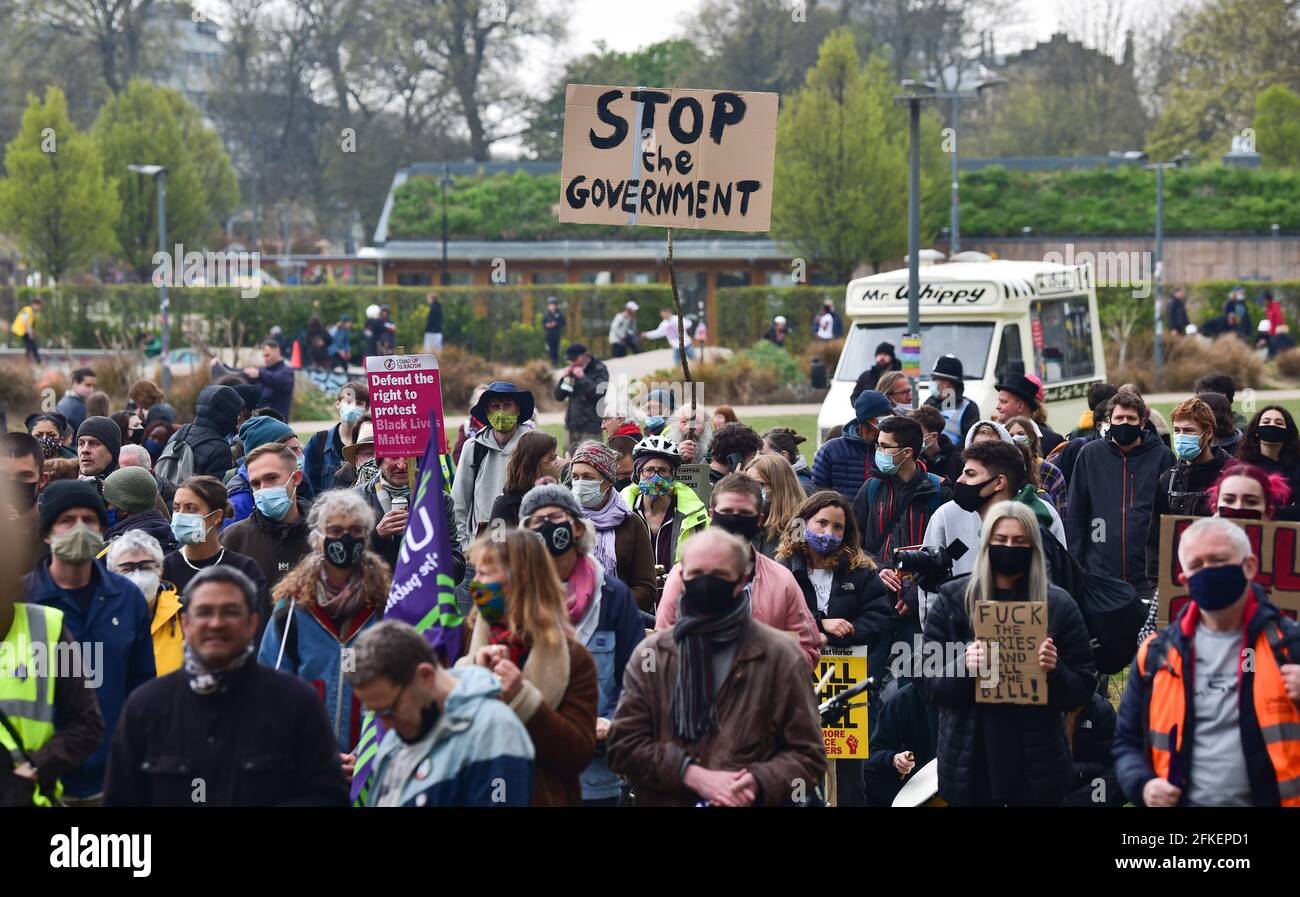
{"points": [[1009, 351], [1065, 351]]}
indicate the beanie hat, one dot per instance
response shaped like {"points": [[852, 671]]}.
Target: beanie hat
{"points": [[132, 489], [251, 393], [257, 431], [871, 403], [599, 456], [106, 430], [549, 495], [63, 495]]}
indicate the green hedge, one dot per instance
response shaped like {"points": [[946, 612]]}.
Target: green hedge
{"points": [[996, 201]]}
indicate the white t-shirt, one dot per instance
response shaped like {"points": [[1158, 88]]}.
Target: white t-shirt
{"points": [[826, 327], [821, 579]]}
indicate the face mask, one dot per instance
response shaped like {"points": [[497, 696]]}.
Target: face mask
{"points": [[557, 537], [273, 502], [767, 500], [1010, 560], [657, 486], [350, 414], [489, 598], [1241, 513], [429, 717], [78, 545], [1215, 588], [708, 595], [930, 446], [620, 485], [503, 421], [655, 423], [1124, 434], [1271, 433], [967, 495], [302, 460], [886, 463], [24, 497], [153, 446], [189, 529], [742, 525], [822, 543], [146, 582], [1022, 439], [345, 551], [50, 446], [588, 493], [1186, 446]]}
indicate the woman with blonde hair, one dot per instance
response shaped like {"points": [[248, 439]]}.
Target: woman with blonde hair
{"points": [[330, 597], [1006, 754], [782, 496], [524, 636]]}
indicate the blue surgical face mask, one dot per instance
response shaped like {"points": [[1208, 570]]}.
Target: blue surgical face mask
{"points": [[302, 460], [190, 529], [1187, 446], [273, 502], [350, 414], [656, 423], [885, 463], [588, 493]]}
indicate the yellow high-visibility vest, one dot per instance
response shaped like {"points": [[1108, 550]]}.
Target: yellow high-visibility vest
{"points": [[27, 683]]}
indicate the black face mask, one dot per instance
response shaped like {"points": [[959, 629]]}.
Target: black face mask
{"points": [[429, 717], [620, 485], [1124, 434], [967, 495], [1010, 560], [708, 596], [741, 525], [345, 551], [24, 496], [1271, 433], [558, 537], [1241, 513]]}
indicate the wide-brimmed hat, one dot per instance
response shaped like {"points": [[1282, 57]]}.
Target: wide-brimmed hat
{"points": [[1021, 386], [501, 389], [365, 436], [948, 367]]}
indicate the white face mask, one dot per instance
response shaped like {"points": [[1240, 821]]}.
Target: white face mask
{"points": [[588, 493], [146, 581]]}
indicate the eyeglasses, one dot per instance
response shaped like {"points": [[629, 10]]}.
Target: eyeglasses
{"points": [[233, 612], [387, 712], [649, 471], [139, 567], [533, 521]]}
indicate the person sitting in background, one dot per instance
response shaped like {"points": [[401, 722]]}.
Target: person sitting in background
{"points": [[938, 454], [1272, 443], [137, 556], [782, 498], [533, 458], [1045, 475], [133, 493], [785, 442], [733, 447], [621, 543]]}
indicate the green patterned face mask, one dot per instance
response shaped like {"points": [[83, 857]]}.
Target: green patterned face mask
{"points": [[503, 421]]}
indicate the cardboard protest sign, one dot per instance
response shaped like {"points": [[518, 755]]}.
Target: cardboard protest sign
{"points": [[404, 389], [848, 666], [669, 158], [1273, 542], [1013, 630], [696, 476]]}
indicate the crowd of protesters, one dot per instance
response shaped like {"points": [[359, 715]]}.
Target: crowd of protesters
{"points": [[635, 634]]}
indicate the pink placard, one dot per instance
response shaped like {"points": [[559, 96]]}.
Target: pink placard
{"points": [[404, 389]]}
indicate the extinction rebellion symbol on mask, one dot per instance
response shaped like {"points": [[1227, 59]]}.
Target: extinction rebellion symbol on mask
{"points": [[336, 554], [560, 539]]}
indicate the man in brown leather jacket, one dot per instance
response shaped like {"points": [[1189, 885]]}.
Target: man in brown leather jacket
{"points": [[754, 739]]}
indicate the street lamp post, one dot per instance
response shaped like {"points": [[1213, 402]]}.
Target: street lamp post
{"points": [[159, 173], [918, 92], [446, 179], [954, 97], [1158, 273]]}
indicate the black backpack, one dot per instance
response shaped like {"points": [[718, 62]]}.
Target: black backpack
{"points": [[1110, 607]]}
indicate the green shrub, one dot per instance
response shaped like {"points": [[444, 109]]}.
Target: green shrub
{"points": [[521, 343]]}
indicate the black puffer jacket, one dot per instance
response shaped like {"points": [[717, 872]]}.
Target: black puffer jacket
{"points": [[215, 415], [856, 595], [583, 414], [1048, 773]]}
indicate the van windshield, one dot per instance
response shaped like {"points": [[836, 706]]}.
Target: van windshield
{"points": [[969, 341]]}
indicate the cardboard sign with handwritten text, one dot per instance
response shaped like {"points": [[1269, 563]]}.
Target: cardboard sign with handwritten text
{"points": [[1013, 630], [1273, 542]]}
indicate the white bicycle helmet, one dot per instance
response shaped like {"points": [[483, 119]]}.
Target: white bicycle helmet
{"points": [[657, 445]]}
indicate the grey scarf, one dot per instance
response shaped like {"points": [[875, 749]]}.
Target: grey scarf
{"points": [[203, 679], [694, 709]]}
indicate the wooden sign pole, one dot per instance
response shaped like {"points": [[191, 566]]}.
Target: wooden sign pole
{"points": [[411, 461]]}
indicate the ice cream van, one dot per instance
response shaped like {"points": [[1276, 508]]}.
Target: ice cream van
{"points": [[996, 316]]}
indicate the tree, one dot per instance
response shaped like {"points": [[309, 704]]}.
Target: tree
{"points": [[1277, 127], [758, 44], [1227, 52], [56, 197], [220, 183], [841, 163], [140, 126], [114, 29]]}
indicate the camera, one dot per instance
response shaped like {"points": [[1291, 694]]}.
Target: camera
{"points": [[929, 565]]}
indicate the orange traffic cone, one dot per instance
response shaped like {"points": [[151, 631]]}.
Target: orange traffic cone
{"points": [[295, 360]]}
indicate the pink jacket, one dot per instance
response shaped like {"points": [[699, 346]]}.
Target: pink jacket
{"points": [[776, 600]]}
